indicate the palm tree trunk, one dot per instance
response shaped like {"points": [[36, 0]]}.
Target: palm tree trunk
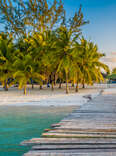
{"points": [[54, 79], [77, 88], [32, 85], [5, 86], [67, 89], [41, 87], [83, 83], [25, 91], [72, 84], [52, 85], [60, 84]]}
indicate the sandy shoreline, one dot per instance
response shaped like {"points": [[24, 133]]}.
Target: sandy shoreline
{"points": [[45, 97]]}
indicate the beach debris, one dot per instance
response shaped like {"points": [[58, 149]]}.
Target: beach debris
{"points": [[89, 96]]}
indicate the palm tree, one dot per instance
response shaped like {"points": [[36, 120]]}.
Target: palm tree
{"points": [[62, 55], [42, 46], [7, 54], [76, 73], [25, 70], [88, 62]]}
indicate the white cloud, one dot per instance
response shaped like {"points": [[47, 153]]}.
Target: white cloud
{"points": [[110, 60]]}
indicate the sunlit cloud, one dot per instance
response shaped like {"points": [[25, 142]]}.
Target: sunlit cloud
{"points": [[110, 60]]}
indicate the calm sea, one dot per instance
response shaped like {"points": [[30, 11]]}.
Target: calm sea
{"points": [[21, 123]]}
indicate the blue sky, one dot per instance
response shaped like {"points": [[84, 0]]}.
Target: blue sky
{"points": [[102, 17]]}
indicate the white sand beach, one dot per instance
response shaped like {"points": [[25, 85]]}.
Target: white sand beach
{"points": [[109, 91], [46, 97]]}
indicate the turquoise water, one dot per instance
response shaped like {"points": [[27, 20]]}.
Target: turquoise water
{"points": [[21, 123]]}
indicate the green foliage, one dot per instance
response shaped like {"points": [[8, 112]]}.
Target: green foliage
{"points": [[46, 46], [7, 52], [89, 62], [112, 76], [114, 71], [12, 16], [25, 16], [25, 67]]}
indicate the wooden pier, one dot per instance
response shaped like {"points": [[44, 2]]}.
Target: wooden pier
{"points": [[88, 131]]}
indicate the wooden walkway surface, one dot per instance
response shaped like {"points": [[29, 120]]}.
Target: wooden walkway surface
{"points": [[88, 131]]}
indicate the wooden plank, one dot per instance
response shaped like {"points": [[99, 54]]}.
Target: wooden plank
{"points": [[82, 132], [61, 129], [72, 147], [72, 153], [71, 141], [95, 112], [87, 125], [70, 135]]}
